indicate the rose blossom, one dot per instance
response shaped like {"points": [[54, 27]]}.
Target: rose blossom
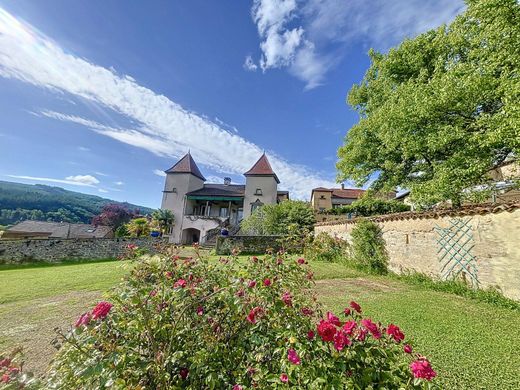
{"points": [[200, 310], [251, 317], [180, 283], [83, 319], [237, 387], [372, 328], [407, 348], [101, 310], [287, 298], [346, 311], [349, 327], [341, 341], [293, 357], [306, 311], [310, 334], [267, 282], [184, 372], [422, 368], [333, 319], [301, 260], [6, 378], [5, 362], [284, 378], [395, 332], [252, 284], [362, 334], [355, 306], [326, 330]]}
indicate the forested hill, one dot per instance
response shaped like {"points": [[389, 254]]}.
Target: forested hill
{"points": [[19, 202]]}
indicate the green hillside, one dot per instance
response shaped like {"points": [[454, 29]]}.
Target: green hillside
{"points": [[19, 202]]}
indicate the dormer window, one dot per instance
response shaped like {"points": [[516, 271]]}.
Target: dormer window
{"points": [[174, 190], [258, 191]]}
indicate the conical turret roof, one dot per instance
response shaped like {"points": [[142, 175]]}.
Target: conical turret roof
{"points": [[186, 165], [262, 168]]}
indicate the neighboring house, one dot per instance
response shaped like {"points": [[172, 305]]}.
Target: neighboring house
{"points": [[201, 208], [41, 229], [329, 198]]}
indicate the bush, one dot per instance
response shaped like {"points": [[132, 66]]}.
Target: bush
{"points": [[327, 248], [368, 247], [199, 324], [369, 206]]}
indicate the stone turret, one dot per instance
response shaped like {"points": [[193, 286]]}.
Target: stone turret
{"points": [[261, 186]]}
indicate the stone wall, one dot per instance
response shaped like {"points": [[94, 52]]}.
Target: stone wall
{"points": [[56, 250], [411, 241], [247, 244]]}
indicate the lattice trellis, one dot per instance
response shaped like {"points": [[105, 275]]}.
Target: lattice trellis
{"points": [[455, 245]]}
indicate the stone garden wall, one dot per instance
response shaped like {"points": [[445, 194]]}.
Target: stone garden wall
{"points": [[56, 250], [247, 244], [412, 242]]}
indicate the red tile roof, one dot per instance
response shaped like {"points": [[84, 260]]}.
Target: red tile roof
{"points": [[262, 168], [347, 193], [186, 165]]}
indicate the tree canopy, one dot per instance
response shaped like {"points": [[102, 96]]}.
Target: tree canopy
{"points": [[440, 110]]}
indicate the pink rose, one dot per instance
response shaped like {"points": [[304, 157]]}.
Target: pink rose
{"points": [[333, 319], [200, 310], [284, 378], [252, 284], [5, 362], [371, 327], [310, 334], [83, 319], [101, 310], [407, 348], [349, 327], [237, 387], [6, 378], [267, 282], [341, 341], [293, 357], [180, 283], [301, 261], [287, 298], [395, 332], [422, 368]]}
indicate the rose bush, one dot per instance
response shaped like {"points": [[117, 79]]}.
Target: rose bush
{"points": [[197, 324]]}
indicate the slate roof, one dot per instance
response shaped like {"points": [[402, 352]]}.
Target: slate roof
{"points": [[186, 165], [262, 168], [57, 230], [220, 190]]}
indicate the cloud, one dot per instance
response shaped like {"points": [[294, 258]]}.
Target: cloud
{"points": [[83, 149], [249, 64], [161, 126], [102, 190], [158, 172], [119, 183], [309, 38], [78, 180]]}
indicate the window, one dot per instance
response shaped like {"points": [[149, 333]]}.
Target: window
{"points": [[174, 190], [223, 212], [205, 210], [322, 209], [240, 214], [258, 191], [322, 196]]}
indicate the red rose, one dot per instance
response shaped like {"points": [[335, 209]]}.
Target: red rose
{"points": [[326, 330], [251, 317], [371, 327], [362, 334], [83, 319], [252, 284], [407, 348], [101, 310], [355, 306], [301, 261], [333, 319], [267, 282], [306, 311], [349, 327], [341, 340], [180, 283], [284, 378], [310, 334], [200, 310], [395, 332], [184, 372], [240, 293], [346, 311], [153, 293], [293, 357], [422, 368], [6, 378]]}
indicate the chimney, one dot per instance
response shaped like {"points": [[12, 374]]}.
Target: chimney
{"points": [[342, 186], [227, 181]]}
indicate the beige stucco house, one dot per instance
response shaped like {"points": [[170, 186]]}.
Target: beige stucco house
{"points": [[201, 209], [323, 199]]}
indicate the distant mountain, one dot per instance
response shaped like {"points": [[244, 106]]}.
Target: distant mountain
{"points": [[19, 202]]}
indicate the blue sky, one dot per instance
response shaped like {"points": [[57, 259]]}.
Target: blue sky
{"points": [[101, 96]]}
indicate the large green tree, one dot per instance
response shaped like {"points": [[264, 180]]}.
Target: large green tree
{"points": [[440, 110]]}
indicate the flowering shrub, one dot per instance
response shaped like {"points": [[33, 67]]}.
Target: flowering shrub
{"points": [[327, 248], [196, 324]]}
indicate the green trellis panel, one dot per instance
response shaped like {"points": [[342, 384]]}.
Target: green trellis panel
{"points": [[455, 244]]}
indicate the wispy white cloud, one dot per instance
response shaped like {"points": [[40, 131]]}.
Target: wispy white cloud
{"points": [[158, 172], [249, 64], [102, 190], [78, 180], [119, 183], [162, 126], [83, 149], [100, 174], [309, 38]]}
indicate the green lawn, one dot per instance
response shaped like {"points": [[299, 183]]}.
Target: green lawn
{"points": [[472, 345]]}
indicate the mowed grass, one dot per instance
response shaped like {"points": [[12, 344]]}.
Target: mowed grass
{"points": [[472, 345]]}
